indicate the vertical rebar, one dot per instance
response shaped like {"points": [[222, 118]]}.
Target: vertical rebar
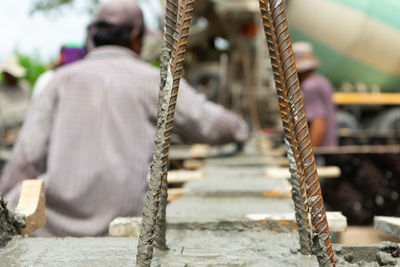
{"points": [[297, 174], [171, 12], [322, 244], [166, 110]]}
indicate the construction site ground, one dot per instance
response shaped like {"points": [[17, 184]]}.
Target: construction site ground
{"points": [[211, 224]]}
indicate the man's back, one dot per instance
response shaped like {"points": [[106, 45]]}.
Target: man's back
{"points": [[95, 124]]}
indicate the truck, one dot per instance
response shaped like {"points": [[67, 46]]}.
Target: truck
{"points": [[357, 43]]}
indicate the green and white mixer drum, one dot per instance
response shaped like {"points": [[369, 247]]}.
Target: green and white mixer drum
{"points": [[357, 41]]}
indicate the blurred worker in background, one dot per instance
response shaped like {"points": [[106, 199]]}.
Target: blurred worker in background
{"points": [[317, 96], [14, 98], [90, 133]]}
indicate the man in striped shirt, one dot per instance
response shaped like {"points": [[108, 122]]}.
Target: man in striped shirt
{"points": [[90, 133]]}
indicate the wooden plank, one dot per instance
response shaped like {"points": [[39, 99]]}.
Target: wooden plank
{"points": [[200, 151], [196, 151], [337, 222], [341, 98], [193, 164], [283, 173], [277, 194], [355, 235], [31, 203], [390, 225], [182, 176], [125, 227], [175, 193]]}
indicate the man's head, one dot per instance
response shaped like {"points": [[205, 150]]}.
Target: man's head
{"points": [[306, 62], [118, 22]]}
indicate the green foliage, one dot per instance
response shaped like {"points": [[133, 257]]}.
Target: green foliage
{"points": [[33, 66], [57, 5]]}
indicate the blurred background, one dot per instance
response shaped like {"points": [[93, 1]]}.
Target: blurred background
{"points": [[356, 41]]}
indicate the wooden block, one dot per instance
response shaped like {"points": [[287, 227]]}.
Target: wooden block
{"points": [[32, 204], [182, 176], [125, 226], [200, 151], [175, 193], [390, 225], [196, 151], [364, 235], [276, 193], [193, 164], [283, 173], [336, 221]]}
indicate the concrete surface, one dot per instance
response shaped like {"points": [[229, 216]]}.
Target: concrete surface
{"points": [[207, 226], [187, 248]]}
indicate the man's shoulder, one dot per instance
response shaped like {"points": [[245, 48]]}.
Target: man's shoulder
{"points": [[70, 69], [90, 66]]}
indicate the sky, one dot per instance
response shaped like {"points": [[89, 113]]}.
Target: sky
{"points": [[44, 33], [39, 33]]}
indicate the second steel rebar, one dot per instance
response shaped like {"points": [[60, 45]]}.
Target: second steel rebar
{"points": [[297, 174], [322, 244]]}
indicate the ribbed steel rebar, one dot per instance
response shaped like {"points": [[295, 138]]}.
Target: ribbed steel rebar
{"points": [[321, 239], [166, 109], [170, 21], [296, 169]]}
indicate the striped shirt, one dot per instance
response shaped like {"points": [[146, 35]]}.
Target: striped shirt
{"points": [[90, 134]]}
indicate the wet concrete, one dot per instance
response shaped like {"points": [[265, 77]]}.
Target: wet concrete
{"points": [[187, 248], [206, 209], [206, 227], [228, 194], [11, 224], [243, 180]]}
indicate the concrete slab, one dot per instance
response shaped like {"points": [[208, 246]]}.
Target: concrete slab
{"points": [[187, 248], [240, 181], [249, 161], [219, 208], [336, 221]]}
